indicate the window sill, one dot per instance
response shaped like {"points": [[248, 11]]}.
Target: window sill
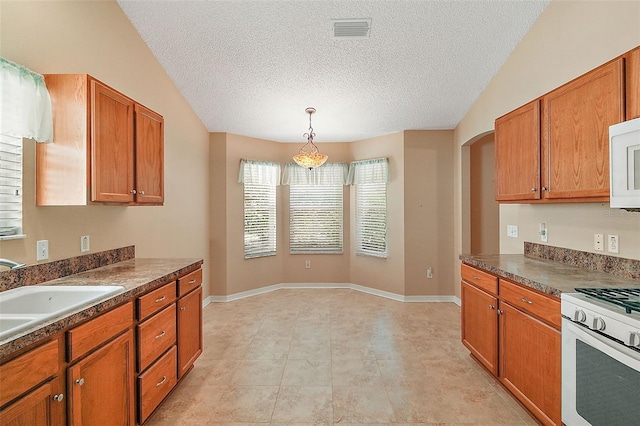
{"points": [[12, 237]]}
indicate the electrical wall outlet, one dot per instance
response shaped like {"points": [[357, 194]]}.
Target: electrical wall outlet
{"points": [[512, 231], [429, 272], [543, 232], [598, 242], [42, 249], [84, 244], [612, 243], [307, 264]]}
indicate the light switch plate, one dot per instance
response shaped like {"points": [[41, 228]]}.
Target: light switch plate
{"points": [[42, 250], [512, 231]]}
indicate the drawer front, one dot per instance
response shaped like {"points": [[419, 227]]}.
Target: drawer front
{"points": [[156, 335], [21, 374], [90, 335], [189, 282], [153, 301], [156, 383], [546, 308], [479, 278]]}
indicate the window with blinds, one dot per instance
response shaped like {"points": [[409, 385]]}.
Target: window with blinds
{"points": [[10, 185], [260, 179], [371, 219], [315, 219], [370, 178]]}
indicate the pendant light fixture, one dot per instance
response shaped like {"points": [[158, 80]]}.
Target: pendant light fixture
{"points": [[309, 156]]}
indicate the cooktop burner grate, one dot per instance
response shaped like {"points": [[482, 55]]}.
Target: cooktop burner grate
{"points": [[628, 298]]}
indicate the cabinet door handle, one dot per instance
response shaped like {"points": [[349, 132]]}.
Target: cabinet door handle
{"points": [[492, 307], [161, 299], [534, 189], [80, 382], [526, 301], [164, 379], [544, 188], [133, 191], [58, 397], [161, 334], [500, 312], [192, 281], [184, 308], [141, 192]]}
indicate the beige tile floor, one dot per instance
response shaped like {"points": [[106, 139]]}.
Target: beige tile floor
{"points": [[336, 356]]}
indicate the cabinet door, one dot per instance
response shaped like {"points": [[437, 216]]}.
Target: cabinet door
{"points": [[189, 330], [101, 386], [530, 359], [480, 326], [112, 156], [32, 409], [632, 73], [517, 154], [576, 120], [149, 156]]}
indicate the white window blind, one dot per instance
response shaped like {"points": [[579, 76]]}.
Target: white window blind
{"points": [[260, 179], [370, 179], [10, 185], [316, 208]]}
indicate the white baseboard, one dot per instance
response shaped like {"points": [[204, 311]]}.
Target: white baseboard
{"points": [[356, 287]]}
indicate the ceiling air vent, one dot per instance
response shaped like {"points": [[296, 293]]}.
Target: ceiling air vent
{"points": [[351, 28]]}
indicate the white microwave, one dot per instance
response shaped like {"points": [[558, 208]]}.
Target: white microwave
{"points": [[624, 161]]}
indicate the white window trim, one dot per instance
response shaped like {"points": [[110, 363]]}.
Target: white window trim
{"points": [[260, 179], [370, 178]]}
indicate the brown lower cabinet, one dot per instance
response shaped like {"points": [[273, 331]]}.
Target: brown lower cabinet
{"points": [[111, 367], [101, 385], [514, 332]]}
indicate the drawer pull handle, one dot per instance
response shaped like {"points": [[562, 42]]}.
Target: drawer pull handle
{"points": [[526, 301], [492, 307], [161, 334], [164, 379], [80, 382], [476, 277], [59, 397], [184, 308], [192, 281], [161, 299]]}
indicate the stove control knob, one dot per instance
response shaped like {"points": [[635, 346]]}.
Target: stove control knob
{"points": [[632, 339], [597, 324], [579, 316]]}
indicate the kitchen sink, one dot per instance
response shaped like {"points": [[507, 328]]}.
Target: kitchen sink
{"points": [[27, 306]]}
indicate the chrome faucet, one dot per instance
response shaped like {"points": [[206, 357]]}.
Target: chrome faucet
{"points": [[10, 263]]}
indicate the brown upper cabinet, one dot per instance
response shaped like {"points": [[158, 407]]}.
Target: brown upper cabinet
{"points": [[517, 154], [107, 148], [632, 74], [556, 148]]}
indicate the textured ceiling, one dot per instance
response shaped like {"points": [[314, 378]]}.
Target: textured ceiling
{"points": [[252, 67]]}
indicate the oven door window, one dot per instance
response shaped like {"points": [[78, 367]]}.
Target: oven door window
{"points": [[605, 388]]}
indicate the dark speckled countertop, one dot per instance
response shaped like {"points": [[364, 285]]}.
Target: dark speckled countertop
{"points": [[137, 276], [548, 276]]}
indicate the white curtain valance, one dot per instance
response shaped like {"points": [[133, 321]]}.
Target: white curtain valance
{"points": [[259, 172], [327, 174], [26, 105], [369, 171]]}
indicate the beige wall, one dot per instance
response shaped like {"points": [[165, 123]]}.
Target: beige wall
{"points": [[97, 38], [484, 210], [428, 201], [567, 40]]}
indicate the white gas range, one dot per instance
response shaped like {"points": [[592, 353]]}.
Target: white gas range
{"points": [[601, 357]]}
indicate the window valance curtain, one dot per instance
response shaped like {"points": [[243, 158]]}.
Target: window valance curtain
{"points": [[327, 174], [369, 171], [259, 172], [25, 103]]}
